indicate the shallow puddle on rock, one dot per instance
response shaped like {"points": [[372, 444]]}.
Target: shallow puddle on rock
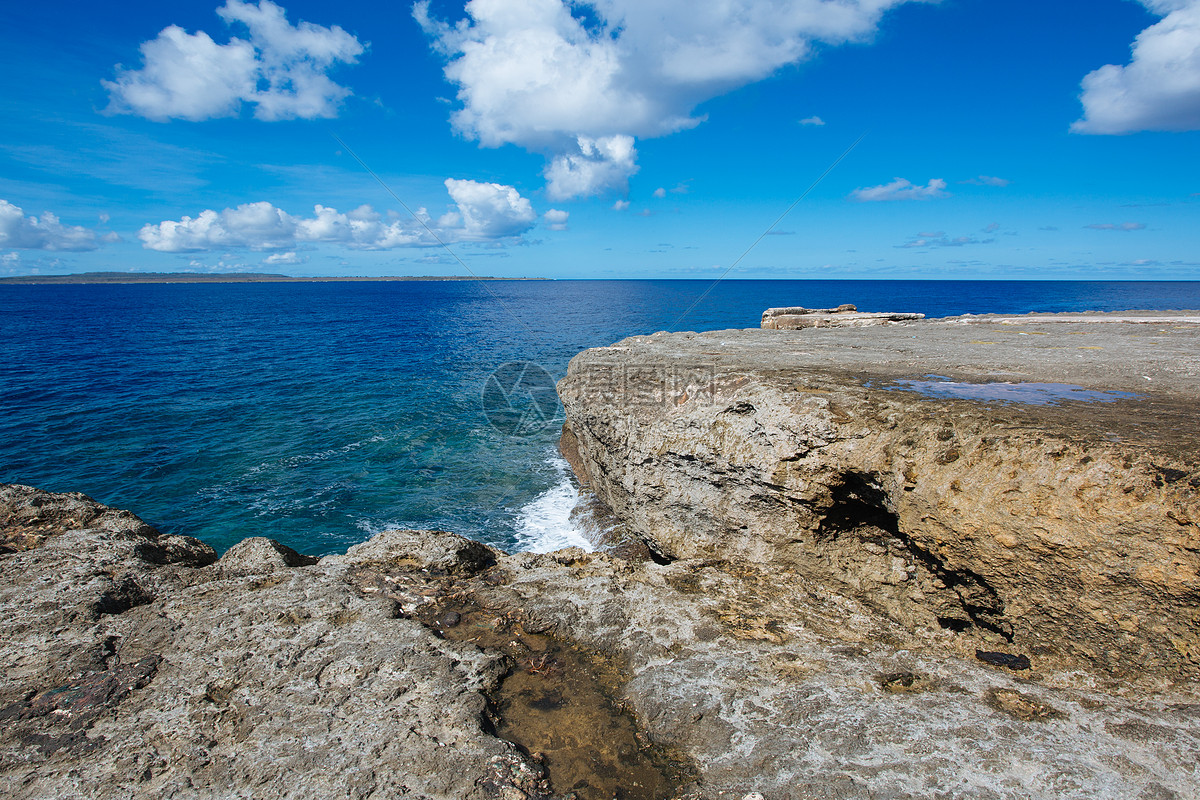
{"points": [[1027, 393], [557, 704]]}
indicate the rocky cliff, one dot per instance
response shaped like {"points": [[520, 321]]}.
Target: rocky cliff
{"points": [[1031, 486]]}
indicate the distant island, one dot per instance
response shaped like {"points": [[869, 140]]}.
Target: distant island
{"points": [[233, 277]]}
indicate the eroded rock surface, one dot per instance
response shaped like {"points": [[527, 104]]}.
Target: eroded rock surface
{"points": [[136, 667], [368, 675], [1065, 531], [773, 683], [844, 316]]}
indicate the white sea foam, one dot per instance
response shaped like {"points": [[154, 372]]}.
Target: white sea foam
{"points": [[544, 524]]}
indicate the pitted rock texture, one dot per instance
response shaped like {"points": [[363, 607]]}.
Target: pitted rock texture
{"points": [[844, 316], [775, 684], [29, 516], [132, 670], [1067, 532], [251, 678]]}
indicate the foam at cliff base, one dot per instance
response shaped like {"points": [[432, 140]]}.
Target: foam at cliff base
{"points": [[544, 524]]}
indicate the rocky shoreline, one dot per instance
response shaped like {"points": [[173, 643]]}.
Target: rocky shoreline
{"points": [[834, 577], [1028, 490]]}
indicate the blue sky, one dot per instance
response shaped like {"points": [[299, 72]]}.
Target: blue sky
{"points": [[604, 139]]}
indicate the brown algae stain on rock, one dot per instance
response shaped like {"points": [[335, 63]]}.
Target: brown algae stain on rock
{"points": [[904, 682], [558, 704], [1020, 705]]}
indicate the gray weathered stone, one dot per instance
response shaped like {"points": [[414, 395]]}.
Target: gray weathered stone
{"points": [[132, 672], [258, 555], [844, 316]]}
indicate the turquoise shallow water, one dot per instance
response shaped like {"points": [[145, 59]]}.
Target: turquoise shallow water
{"points": [[320, 413]]}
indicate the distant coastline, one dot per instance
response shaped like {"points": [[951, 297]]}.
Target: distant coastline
{"points": [[232, 277]]}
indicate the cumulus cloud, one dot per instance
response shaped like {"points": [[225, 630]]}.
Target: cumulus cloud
{"points": [[556, 220], [1159, 89], [660, 193], [546, 75], [814, 120], [43, 233], [483, 212], [620, 205], [594, 167], [489, 210], [281, 70], [277, 259], [900, 189], [1123, 226]]}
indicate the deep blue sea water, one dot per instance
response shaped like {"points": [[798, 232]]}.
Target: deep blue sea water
{"points": [[319, 413]]}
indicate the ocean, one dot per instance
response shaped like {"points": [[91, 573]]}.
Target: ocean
{"points": [[321, 413]]}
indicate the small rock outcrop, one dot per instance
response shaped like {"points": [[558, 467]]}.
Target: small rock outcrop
{"points": [[29, 516], [258, 555], [794, 318]]}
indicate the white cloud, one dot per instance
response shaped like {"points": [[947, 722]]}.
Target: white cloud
{"points": [[1159, 89], [547, 75], [490, 210], [42, 233], [660, 193], [900, 189], [814, 120], [596, 166], [483, 212], [556, 220], [281, 70], [1123, 226], [277, 259], [620, 205]]}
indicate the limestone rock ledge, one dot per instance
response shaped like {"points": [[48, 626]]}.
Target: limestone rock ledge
{"points": [[931, 471], [137, 666], [844, 316]]}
